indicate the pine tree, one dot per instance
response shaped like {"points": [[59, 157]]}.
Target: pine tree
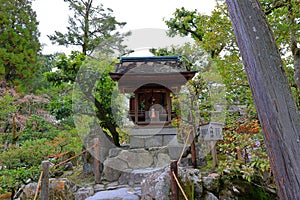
{"points": [[91, 27]]}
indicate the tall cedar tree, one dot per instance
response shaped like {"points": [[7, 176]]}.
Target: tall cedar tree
{"points": [[275, 105], [19, 44]]}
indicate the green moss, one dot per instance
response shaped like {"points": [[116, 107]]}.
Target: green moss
{"points": [[247, 190], [188, 188], [79, 178], [209, 166], [254, 192]]}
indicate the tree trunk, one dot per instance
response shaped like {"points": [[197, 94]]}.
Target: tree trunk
{"points": [[296, 54], [109, 125], [102, 117], [272, 96]]}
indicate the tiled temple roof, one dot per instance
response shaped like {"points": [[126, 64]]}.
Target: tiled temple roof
{"points": [[153, 64]]}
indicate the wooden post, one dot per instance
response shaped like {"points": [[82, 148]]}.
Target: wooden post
{"points": [[174, 186], [45, 180], [169, 107], [194, 154], [136, 108], [97, 161], [214, 153]]}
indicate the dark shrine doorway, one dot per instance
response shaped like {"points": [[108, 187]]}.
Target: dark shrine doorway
{"points": [[151, 103]]}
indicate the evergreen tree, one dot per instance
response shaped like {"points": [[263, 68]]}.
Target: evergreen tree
{"points": [[19, 44], [91, 28]]}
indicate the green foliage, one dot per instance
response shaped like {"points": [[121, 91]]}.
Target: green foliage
{"points": [[67, 68], [193, 102], [30, 153], [213, 33], [92, 89], [37, 127], [7, 108], [243, 145], [40, 85], [12, 179], [61, 107], [188, 187], [247, 190], [235, 80], [283, 17], [20, 164], [19, 45], [193, 106], [92, 27], [192, 55], [63, 78]]}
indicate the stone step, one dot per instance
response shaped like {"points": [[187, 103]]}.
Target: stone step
{"points": [[118, 194], [137, 176]]}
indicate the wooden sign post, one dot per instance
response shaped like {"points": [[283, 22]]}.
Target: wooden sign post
{"points": [[211, 132]]}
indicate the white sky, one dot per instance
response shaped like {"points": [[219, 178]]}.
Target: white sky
{"points": [[139, 14]]}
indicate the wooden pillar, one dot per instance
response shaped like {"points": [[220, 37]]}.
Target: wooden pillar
{"points": [[136, 108], [194, 154], [214, 153], [169, 106], [45, 180], [97, 174], [174, 186]]}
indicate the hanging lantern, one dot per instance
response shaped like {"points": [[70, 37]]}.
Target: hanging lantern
{"points": [[153, 116]]}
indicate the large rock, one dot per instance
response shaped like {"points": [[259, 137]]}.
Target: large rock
{"points": [[137, 159], [212, 182], [136, 176], [162, 160], [28, 191], [113, 168], [123, 162], [58, 189], [105, 144], [84, 193], [192, 176], [157, 185], [210, 196]]}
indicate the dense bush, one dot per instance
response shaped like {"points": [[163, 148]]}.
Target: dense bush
{"points": [[37, 128], [245, 151]]}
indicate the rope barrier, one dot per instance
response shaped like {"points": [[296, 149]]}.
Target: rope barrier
{"points": [[41, 175], [58, 164], [38, 186], [184, 146], [181, 189]]}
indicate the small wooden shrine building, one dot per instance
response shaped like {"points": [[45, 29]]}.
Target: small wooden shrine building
{"points": [[152, 81]]}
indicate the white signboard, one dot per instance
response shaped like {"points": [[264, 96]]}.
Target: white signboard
{"points": [[210, 132]]}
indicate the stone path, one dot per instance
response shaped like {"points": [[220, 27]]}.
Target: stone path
{"points": [[118, 194]]}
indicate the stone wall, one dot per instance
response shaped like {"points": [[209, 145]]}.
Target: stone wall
{"points": [[132, 165]]}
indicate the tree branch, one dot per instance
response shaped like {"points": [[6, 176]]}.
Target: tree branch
{"points": [[278, 4]]}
